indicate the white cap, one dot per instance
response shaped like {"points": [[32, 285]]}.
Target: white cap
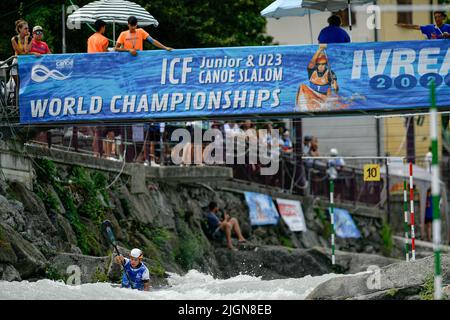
{"points": [[333, 151], [136, 253], [37, 28]]}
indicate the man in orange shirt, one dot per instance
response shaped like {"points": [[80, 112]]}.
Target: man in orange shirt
{"points": [[98, 42], [132, 40]]}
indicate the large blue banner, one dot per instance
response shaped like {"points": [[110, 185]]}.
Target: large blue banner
{"points": [[220, 82]]}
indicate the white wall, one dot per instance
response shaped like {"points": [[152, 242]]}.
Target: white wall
{"points": [[351, 135]]}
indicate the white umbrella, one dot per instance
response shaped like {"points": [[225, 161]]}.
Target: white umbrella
{"points": [[112, 11], [299, 8], [285, 8], [288, 8]]}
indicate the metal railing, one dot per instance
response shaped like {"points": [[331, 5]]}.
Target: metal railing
{"points": [[9, 111]]}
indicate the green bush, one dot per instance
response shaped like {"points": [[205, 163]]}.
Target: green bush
{"points": [[323, 217], [99, 276], [157, 270], [427, 292], [125, 206], [190, 249], [53, 274], [286, 242], [90, 206]]}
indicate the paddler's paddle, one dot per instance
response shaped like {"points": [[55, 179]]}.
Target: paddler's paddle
{"points": [[108, 231]]}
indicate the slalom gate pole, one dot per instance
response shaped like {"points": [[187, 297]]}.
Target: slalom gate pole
{"points": [[333, 258], [411, 199], [435, 192], [405, 211]]}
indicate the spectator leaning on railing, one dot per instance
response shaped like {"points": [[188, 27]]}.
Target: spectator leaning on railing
{"points": [[21, 44], [37, 45], [440, 30], [132, 40]]}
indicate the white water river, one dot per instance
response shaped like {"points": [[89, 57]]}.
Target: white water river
{"points": [[192, 286]]}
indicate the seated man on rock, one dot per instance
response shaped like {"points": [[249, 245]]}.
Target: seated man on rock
{"points": [[221, 228]]}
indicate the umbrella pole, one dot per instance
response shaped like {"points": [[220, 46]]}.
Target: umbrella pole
{"points": [[114, 34], [63, 18], [349, 8], [310, 26]]}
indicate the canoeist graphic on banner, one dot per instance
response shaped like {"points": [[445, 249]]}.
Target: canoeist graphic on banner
{"points": [[321, 94]]}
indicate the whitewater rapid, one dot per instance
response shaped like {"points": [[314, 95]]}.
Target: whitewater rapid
{"points": [[191, 286]]}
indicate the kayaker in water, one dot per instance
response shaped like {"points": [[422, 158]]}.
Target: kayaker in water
{"points": [[135, 271]]}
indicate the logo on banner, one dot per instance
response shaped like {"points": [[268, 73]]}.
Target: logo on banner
{"points": [[41, 73]]}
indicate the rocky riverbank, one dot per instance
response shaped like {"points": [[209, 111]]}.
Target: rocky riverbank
{"points": [[57, 225], [411, 280]]}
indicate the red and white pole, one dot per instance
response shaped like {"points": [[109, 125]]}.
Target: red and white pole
{"points": [[411, 200]]}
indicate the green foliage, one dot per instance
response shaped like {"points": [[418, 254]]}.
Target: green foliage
{"points": [[216, 23], [53, 274], [159, 236], [327, 228], [99, 276], [45, 170], [90, 205], [125, 206], [49, 200], [427, 292], [157, 270], [286, 242], [191, 248], [386, 236], [392, 292]]}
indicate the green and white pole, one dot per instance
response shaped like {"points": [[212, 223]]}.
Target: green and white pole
{"points": [[405, 211], [435, 192], [411, 211], [333, 258]]}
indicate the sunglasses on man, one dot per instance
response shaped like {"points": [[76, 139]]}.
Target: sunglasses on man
{"points": [[38, 32]]}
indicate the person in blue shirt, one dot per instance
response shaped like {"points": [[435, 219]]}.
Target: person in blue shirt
{"points": [[135, 271], [222, 228], [333, 33], [428, 215], [440, 30], [287, 143]]}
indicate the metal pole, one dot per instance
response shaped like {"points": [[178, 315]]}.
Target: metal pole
{"points": [[310, 26], [388, 193], [411, 211], [405, 210], [114, 34], [349, 9], [162, 127], [63, 28], [435, 192], [333, 258], [377, 127]]}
